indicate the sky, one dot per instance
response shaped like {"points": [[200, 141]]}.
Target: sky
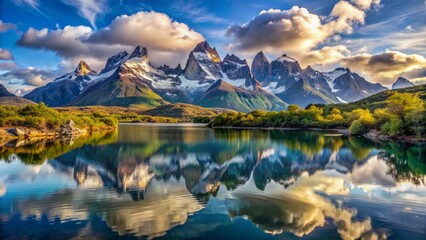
{"points": [[379, 39]]}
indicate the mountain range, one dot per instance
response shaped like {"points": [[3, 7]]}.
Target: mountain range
{"points": [[129, 79]]}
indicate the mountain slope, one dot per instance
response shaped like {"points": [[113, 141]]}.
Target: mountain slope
{"points": [[224, 95], [4, 92], [302, 94], [119, 90], [402, 83], [352, 87], [9, 99], [14, 101], [182, 110], [378, 100], [63, 89]]}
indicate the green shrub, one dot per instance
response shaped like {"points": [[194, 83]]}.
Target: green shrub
{"points": [[109, 121], [34, 122], [393, 127], [358, 128]]}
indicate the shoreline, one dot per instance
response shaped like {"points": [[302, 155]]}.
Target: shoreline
{"points": [[10, 134], [372, 135]]}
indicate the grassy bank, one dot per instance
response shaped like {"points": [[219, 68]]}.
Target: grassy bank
{"points": [[38, 120]]}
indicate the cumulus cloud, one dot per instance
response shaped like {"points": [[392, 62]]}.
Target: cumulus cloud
{"points": [[155, 30], [6, 26], [346, 16], [324, 56], [28, 76], [89, 9], [387, 66], [366, 4], [273, 29], [299, 32], [9, 65], [5, 54], [167, 41]]}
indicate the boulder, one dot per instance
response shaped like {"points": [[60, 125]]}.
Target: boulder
{"points": [[16, 131], [69, 128]]}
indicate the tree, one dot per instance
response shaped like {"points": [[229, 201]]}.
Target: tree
{"points": [[402, 103], [293, 108]]}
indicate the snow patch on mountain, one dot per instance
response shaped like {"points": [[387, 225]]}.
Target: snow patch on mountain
{"points": [[285, 58], [331, 76], [341, 100], [272, 88]]}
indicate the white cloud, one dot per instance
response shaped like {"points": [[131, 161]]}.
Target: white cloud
{"points": [[299, 32], [346, 16], [154, 30], [9, 65], [288, 30], [367, 4], [167, 41], [32, 3], [385, 67], [324, 56], [89, 9], [5, 54], [6, 26], [27, 76]]}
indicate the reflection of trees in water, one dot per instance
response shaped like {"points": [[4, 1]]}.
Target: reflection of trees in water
{"points": [[406, 162], [39, 150]]}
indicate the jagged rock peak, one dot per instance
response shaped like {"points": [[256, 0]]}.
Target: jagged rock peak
{"points": [[260, 56], [83, 69], [139, 52], [211, 52], [234, 58], [260, 66], [309, 70], [286, 58], [171, 71], [114, 61]]}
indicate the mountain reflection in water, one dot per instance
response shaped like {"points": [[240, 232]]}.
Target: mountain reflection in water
{"points": [[188, 181]]}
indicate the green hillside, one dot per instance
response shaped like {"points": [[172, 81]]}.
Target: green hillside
{"points": [[378, 100]]}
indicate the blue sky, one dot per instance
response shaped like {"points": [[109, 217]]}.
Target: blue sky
{"points": [[380, 39]]}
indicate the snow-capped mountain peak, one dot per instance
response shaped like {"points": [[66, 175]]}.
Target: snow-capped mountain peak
{"points": [[139, 52], [84, 69], [286, 58], [114, 61], [204, 47]]}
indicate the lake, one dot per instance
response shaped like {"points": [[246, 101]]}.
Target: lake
{"points": [[190, 182]]}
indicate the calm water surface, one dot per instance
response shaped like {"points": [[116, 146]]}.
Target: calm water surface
{"points": [[191, 182]]}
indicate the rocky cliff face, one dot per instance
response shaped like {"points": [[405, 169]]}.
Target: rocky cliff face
{"points": [[203, 64], [115, 61], [260, 66]]}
